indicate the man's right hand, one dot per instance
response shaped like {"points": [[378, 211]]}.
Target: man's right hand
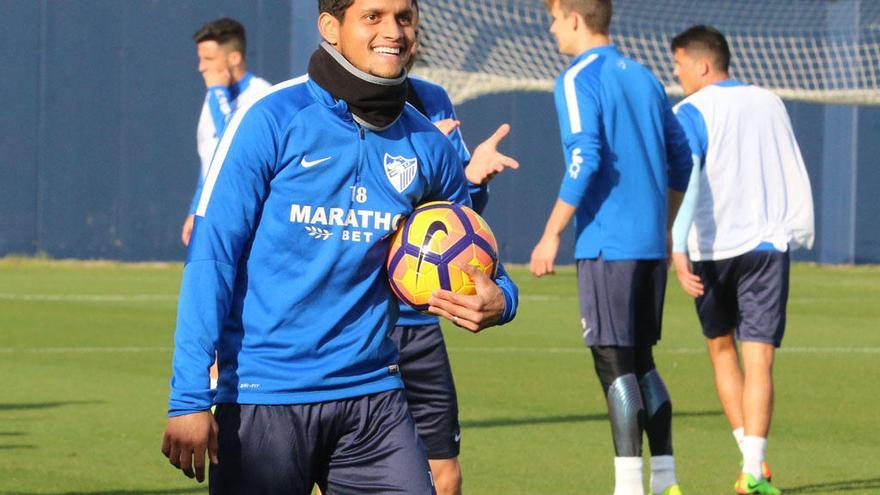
{"points": [[186, 439], [471, 312], [544, 255], [217, 77], [689, 281]]}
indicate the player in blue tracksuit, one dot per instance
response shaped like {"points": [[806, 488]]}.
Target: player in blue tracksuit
{"points": [[221, 45], [424, 363], [628, 162], [220, 103], [285, 275]]}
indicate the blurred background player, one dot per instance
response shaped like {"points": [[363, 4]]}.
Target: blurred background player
{"points": [[309, 388], [424, 362], [749, 203], [624, 149], [221, 46]]}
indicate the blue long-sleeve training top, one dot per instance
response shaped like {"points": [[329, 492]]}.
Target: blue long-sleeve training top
{"points": [[285, 271], [623, 148]]}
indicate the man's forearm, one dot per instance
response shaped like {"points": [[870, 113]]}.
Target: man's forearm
{"points": [[559, 218], [674, 203]]}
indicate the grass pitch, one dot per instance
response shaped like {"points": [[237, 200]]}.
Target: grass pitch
{"points": [[85, 353]]}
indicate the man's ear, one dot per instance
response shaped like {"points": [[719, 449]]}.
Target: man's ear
{"points": [[328, 26], [574, 20], [704, 66], [234, 58]]}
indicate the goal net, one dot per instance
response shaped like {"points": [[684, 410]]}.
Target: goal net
{"points": [[818, 50]]}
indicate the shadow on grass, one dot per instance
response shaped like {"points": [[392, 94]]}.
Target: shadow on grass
{"points": [[836, 486], [9, 434], [34, 406], [571, 418], [196, 489], [26, 406]]}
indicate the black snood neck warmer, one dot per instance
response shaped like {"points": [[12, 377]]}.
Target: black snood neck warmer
{"points": [[375, 102]]}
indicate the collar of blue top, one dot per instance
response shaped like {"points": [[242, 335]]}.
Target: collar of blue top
{"points": [[375, 102]]}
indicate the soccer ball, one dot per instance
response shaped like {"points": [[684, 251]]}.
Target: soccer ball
{"points": [[429, 249]]}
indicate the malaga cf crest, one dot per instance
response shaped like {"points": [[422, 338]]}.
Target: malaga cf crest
{"points": [[400, 171]]}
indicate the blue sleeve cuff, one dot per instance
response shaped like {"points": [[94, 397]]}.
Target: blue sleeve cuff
{"points": [[479, 194], [511, 295], [189, 402]]}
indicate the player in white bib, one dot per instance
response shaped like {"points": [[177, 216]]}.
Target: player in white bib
{"points": [[221, 47], [746, 207]]}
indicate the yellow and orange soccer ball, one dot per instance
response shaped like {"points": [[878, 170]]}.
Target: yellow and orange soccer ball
{"points": [[429, 249]]}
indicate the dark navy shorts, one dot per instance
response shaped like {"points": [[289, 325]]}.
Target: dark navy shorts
{"points": [[363, 445], [430, 389], [748, 292], [621, 302]]}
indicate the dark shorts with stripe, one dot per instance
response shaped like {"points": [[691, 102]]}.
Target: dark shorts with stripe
{"points": [[430, 389], [363, 445], [621, 302], [748, 293]]}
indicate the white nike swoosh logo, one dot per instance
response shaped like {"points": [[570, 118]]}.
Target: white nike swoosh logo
{"points": [[307, 164], [458, 436]]}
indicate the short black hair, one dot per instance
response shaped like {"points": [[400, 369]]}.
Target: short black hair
{"points": [[337, 8], [224, 31], [706, 39]]}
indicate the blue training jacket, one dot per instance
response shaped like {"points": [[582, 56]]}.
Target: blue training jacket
{"points": [[623, 149], [438, 106], [285, 270]]}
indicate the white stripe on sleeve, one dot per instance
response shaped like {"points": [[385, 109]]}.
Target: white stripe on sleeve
{"points": [[574, 111]]}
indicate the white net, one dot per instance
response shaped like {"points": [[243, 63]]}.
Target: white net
{"points": [[819, 50]]}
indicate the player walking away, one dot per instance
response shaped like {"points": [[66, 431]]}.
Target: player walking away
{"points": [[424, 362], [285, 275], [623, 148], [221, 47], [749, 203]]}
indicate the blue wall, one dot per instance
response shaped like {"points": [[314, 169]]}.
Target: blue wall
{"points": [[100, 103]]}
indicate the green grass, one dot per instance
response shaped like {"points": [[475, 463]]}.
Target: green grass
{"points": [[85, 353]]}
